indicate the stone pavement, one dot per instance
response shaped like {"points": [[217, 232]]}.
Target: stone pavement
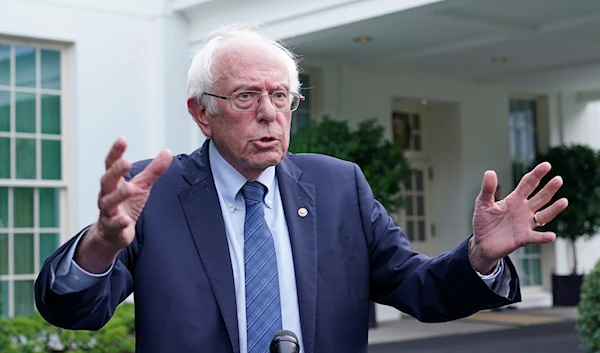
{"points": [[408, 328]]}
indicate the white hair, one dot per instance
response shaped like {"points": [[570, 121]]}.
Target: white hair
{"points": [[201, 75]]}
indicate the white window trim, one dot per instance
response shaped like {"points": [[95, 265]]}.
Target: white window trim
{"points": [[66, 194]]}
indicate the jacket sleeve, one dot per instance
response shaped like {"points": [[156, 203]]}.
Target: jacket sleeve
{"points": [[90, 306], [438, 289]]}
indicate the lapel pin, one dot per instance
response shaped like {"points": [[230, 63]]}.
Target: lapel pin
{"points": [[302, 212]]}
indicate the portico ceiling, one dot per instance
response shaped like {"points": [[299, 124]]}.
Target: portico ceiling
{"points": [[546, 43]]}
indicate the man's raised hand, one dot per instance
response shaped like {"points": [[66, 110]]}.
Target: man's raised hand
{"points": [[120, 203]]}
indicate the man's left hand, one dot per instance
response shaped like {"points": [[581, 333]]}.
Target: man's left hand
{"points": [[501, 227]]}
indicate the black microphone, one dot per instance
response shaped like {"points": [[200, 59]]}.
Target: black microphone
{"points": [[284, 341]]}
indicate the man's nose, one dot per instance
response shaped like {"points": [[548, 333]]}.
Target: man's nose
{"points": [[266, 109]]}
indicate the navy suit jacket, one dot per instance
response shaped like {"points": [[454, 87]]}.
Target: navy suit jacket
{"points": [[346, 252]]}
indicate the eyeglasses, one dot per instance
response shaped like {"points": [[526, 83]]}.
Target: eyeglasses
{"points": [[247, 101]]}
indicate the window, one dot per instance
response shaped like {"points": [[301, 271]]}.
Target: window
{"points": [[413, 214], [407, 130], [301, 116], [32, 182], [523, 151]]}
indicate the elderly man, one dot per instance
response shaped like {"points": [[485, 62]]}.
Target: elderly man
{"points": [[224, 247]]}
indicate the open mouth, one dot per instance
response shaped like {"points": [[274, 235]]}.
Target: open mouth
{"points": [[267, 139]]}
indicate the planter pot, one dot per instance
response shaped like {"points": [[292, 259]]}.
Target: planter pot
{"points": [[566, 289]]}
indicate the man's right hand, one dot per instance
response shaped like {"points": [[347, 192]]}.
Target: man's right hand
{"points": [[120, 203]]}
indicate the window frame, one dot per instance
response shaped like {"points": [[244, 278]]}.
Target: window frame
{"points": [[63, 185]]}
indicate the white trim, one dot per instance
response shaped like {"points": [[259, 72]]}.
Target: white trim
{"points": [[26, 183], [67, 218], [11, 278], [13, 115], [38, 115], [36, 233], [31, 135], [30, 230], [11, 254], [45, 91]]}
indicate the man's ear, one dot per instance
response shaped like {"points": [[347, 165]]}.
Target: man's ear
{"points": [[198, 111]]}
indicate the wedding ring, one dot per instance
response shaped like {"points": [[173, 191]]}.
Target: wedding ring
{"points": [[537, 223]]}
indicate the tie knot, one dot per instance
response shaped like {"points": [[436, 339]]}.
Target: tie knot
{"points": [[254, 192]]}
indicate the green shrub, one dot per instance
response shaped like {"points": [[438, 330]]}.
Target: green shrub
{"points": [[382, 163], [588, 322], [33, 334]]}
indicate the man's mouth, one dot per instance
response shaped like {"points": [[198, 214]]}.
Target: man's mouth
{"points": [[267, 139]]}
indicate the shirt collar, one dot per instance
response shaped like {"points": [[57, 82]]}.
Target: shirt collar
{"points": [[229, 181]]}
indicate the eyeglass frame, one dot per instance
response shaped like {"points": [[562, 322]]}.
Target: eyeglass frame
{"points": [[299, 96]]}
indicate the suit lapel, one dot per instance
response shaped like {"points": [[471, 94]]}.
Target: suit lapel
{"points": [[302, 226], [203, 213]]}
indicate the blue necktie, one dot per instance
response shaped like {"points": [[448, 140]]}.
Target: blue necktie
{"points": [[263, 309]]}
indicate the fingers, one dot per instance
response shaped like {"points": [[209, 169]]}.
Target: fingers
{"points": [[110, 180], [488, 187], [531, 180], [154, 170], [117, 223], [108, 204], [548, 214], [115, 152], [545, 195], [536, 237]]}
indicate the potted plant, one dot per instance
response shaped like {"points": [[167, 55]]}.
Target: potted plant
{"points": [[588, 321], [579, 166], [382, 163]]}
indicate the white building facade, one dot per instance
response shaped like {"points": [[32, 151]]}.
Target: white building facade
{"points": [[478, 84]]}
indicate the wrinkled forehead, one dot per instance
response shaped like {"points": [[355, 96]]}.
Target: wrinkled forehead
{"points": [[237, 62]]}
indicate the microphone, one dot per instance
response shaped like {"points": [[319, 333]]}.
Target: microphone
{"points": [[284, 341]]}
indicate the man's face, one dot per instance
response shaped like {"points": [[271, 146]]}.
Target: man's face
{"points": [[249, 141]]}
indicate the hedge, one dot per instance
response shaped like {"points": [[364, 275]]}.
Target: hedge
{"points": [[32, 334]]}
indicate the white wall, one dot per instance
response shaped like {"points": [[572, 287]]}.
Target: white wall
{"points": [[469, 133], [126, 75]]}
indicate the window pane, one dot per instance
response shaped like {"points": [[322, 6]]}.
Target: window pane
{"points": [[4, 111], [4, 299], [23, 298], [537, 272], [3, 254], [4, 65], [25, 112], [420, 206], [532, 249], [48, 244], [23, 207], [410, 230], [419, 179], [416, 121], [4, 157], [23, 254], [26, 159], [50, 69], [50, 114], [408, 183], [526, 272], [25, 59], [409, 205], [49, 207], [3, 207], [51, 160], [421, 230]]}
